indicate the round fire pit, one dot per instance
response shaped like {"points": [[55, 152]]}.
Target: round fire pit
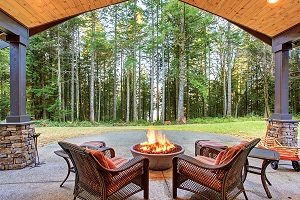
{"points": [[158, 161]]}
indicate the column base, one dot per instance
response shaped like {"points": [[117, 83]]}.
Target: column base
{"points": [[17, 145], [280, 116], [284, 131], [18, 119]]}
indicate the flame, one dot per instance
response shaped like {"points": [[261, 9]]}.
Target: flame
{"points": [[157, 143]]}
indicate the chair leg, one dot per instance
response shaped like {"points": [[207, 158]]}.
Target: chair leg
{"points": [[146, 194], [146, 179], [244, 192], [174, 192], [174, 179]]}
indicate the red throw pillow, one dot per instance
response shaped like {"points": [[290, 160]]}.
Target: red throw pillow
{"points": [[226, 155], [102, 159]]}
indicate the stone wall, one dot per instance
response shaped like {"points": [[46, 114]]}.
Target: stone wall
{"points": [[285, 131], [17, 149]]}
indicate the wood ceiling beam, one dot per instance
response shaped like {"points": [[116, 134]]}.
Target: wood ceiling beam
{"points": [[287, 39], [266, 39], [10, 26], [38, 29]]}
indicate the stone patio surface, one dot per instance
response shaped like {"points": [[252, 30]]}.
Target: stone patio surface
{"points": [[42, 183]]}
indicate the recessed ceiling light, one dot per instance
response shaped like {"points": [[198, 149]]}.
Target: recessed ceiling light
{"points": [[272, 1]]}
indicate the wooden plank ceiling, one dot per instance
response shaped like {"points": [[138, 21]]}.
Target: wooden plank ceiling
{"points": [[39, 14], [257, 15]]}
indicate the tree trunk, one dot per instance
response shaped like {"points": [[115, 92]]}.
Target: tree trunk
{"points": [[152, 71], [128, 97], [224, 86], [99, 95], [208, 79], [187, 86], [134, 107], [140, 100], [122, 83], [59, 76], [73, 75], [168, 114], [92, 75], [77, 76], [230, 60], [115, 67], [182, 76], [157, 64], [163, 98]]}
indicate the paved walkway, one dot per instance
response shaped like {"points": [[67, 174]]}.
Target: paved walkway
{"points": [[42, 183]]}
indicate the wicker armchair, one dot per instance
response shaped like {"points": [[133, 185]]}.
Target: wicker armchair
{"points": [[96, 182], [211, 181]]}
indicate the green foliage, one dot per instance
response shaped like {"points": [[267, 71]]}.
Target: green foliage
{"points": [[151, 28], [205, 120], [200, 83], [213, 120]]}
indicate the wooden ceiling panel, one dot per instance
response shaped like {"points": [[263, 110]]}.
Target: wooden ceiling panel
{"points": [[35, 13], [256, 15]]}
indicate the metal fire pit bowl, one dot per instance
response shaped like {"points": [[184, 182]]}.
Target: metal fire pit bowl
{"points": [[158, 161]]}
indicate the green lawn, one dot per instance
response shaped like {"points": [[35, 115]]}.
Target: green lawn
{"points": [[245, 129]]}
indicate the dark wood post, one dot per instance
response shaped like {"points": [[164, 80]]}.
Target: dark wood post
{"points": [[281, 110], [17, 79]]}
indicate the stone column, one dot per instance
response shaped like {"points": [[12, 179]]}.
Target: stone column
{"points": [[281, 126], [284, 131], [17, 149]]}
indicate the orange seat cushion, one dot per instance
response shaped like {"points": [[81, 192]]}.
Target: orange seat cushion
{"points": [[102, 159], [226, 155]]}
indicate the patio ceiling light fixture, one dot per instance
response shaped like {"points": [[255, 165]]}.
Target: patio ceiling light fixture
{"points": [[272, 1]]}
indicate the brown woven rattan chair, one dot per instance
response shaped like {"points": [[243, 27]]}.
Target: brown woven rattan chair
{"points": [[96, 182], [211, 181]]}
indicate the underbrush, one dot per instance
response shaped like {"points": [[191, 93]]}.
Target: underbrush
{"points": [[206, 120]]}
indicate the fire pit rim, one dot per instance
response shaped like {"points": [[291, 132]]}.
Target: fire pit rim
{"points": [[158, 154]]}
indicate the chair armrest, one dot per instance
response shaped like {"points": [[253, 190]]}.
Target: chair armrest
{"points": [[138, 161], [198, 163], [108, 151]]}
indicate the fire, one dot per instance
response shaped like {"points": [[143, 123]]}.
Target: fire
{"points": [[157, 143]]}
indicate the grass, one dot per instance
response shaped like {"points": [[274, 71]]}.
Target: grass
{"points": [[239, 128], [206, 120]]}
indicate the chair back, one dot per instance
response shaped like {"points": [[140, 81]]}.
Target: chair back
{"points": [[233, 178], [88, 170]]}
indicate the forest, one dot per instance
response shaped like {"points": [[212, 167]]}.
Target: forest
{"points": [[148, 60]]}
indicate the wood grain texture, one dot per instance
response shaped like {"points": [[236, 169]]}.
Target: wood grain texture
{"points": [[257, 15], [34, 13]]}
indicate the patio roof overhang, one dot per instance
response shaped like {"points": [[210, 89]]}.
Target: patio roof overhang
{"points": [[277, 25], [258, 17]]}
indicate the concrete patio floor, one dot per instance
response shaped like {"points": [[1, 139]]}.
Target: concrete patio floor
{"points": [[42, 183]]}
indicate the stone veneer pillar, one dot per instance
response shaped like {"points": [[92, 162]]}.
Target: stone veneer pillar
{"points": [[285, 131], [17, 148]]}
